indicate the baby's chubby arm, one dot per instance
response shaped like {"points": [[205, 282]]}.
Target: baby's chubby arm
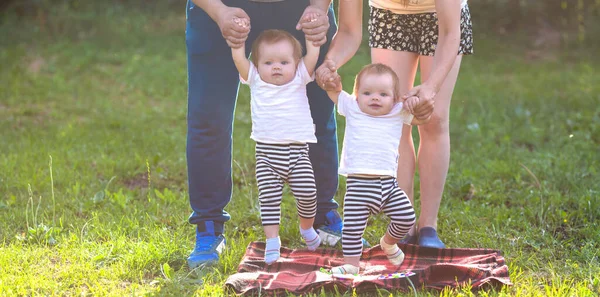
{"points": [[312, 51], [334, 88], [427, 106], [239, 54]]}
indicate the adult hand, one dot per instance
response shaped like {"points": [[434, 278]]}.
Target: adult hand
{"points": [[327, 77], [233, 30], [314, 22], [426, 94]]}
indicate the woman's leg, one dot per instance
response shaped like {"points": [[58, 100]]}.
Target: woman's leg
{"points": [[405, 66], [434, 149]]}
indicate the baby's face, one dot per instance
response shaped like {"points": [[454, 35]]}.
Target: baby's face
{"points": [[276, 63], [376, 94]]}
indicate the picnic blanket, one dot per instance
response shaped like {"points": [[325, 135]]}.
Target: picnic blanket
{"points": [[301, 271]]}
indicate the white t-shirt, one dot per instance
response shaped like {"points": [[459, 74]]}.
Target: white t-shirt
{"points": [[281, 114], [370, 142]]}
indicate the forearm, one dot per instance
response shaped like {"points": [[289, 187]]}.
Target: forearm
{"points": [[312, 55], [444, 58], [448, 41], [347, 40], [333, 95], [416, 122], [343, 47], [211, 7], [322, 4], [242, 64]]}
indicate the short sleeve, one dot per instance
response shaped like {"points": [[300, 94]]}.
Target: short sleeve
{"points": [[343, 103], [303, 74], [252, 74], [406, 116]]}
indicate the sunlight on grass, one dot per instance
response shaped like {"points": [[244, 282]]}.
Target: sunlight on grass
{"points": [[93, 179]]}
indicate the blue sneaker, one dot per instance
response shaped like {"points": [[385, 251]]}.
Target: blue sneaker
{"points": [[208, 247], [331, 232]]}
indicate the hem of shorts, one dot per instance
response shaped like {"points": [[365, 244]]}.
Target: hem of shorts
{"points": [[420, 54]]}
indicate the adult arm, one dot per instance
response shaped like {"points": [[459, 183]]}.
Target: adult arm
{"points": [[448, 13], [344, 44], [224, 16], [348, 37]]}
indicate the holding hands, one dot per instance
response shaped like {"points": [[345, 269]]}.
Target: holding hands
{"points": [[314, 22], [327, 77], [420, 108], [234, 24], [425, 95]]}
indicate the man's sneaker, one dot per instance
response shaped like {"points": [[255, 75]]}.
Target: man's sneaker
{"points": [[331, 232], [208, 247]]}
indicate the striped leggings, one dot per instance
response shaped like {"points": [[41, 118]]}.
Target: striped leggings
{"points": [[277, 164], [366, 196]]}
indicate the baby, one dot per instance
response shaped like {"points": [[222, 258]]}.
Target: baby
{"points": [[282, 127], [374, 118]]}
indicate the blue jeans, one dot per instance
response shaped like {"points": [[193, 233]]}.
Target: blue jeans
{"points": [[212, 91]]}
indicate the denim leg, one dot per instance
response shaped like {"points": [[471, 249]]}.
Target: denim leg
{"points": [[324, 153], [212, 90], [213, 84]]}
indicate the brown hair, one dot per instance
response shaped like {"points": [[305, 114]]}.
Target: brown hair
{"points": [[380, 69], [273, 36]]}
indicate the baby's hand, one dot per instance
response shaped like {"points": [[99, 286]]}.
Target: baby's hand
{"points": [[327, 76], [410, 103], [335, 84], [242, 22]]}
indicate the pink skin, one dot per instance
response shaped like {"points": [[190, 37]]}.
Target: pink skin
{"points": [[376, 94], [276, 62]]}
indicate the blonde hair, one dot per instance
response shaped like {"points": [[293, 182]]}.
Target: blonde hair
{"points": [[273, 36], [379, 69]]}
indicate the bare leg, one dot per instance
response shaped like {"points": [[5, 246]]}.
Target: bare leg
{"points": [[434, 148], [306, 223], [354, 261], [271, 231]]}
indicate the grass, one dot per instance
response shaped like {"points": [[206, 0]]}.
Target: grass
{"points": [[93, 181]]}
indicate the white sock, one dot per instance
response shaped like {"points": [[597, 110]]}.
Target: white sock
{"points": [[393, 252], [272, 250], [311, 238], [345, 269]]}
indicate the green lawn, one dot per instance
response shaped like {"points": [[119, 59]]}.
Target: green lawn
{"points": [[93, 197]]}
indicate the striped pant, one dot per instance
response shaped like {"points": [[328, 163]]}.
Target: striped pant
{"points": [[277, 164], [366, 196]]}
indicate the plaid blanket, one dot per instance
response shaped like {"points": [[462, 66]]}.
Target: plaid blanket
{"points": [[302, 271]]}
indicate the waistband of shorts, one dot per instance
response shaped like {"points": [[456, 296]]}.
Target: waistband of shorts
{"points": [[266, 0]]}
